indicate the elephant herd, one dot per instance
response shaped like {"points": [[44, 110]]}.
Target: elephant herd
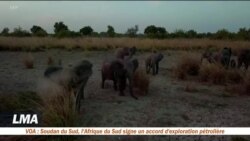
{"points": [[224, 57], [121, 68]]}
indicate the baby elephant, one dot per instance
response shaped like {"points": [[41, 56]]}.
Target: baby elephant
{"points": [[119, 71], [73, 78], [125, 51], [152, 62], [114, 70]]}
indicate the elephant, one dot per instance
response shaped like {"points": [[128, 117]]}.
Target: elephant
{"points": [[125, 51], [225, 56], [222, 57], [152, 62], [73, 78], [119, 71], [114, 70], [244, 58]]}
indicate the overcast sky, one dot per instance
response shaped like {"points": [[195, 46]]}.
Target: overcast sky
{"points": [[202, 16]]}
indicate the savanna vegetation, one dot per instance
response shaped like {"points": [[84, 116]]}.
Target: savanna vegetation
{"points": [[153, 37]]}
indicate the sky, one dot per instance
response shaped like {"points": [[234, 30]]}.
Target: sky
{"points": [[202, 16]]}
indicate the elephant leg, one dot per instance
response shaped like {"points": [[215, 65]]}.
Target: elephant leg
{"points": [[115, 85], [239, 64], [157, 67], [154, 69], [131, 89], [246, 65], [78, 102], [79, 96], [146, 66], [103, 81]]}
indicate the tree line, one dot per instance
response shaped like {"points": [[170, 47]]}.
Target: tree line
{"points": [[61, 30]]}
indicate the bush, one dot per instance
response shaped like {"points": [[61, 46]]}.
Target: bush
{"points": [[141, 81], [187, 65], [58, 106], [234, 76], [213, 73]]}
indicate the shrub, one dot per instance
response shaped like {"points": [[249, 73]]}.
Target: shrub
{"points": [[141, 81], [187, 65], [218, 75], [212, 73], [234, 76], [58, 106], [28, 61]]}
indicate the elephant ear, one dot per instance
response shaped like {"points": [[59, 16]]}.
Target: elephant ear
{"points": [[83, 67], [160, 57]]}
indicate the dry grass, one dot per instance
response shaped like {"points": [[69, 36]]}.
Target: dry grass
{"points": [[141, 81], [58, 105], [28, 61], [213, 73], [92, 43], [234, 76], [240, 88], [187, 65], [217, 74]]}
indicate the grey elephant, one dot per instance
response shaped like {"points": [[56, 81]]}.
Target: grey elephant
{"points": [[226, 53], [73, 78], [223, 57], [119, 71], [125, 51], [152, 62], [244, 58]]}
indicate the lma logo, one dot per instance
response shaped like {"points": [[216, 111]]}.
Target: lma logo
{"points": [[25, 119]]}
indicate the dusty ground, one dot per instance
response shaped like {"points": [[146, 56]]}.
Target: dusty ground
{"points": [[166, 105]]}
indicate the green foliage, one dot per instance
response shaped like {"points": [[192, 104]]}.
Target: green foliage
{"points": [[155, 32], [67, 33], [5, 31], [110, 31], [19, 32], [38, 31], [223, 34], [243, 34], [60, 26], [131, 32], [87, 30], [191, 34], [179, 33]]}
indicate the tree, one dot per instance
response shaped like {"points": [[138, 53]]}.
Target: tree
{"points": [[243, 33], [5, 31], [87, 30], [191, 34], [111, 31], [131, 32], [38, 31], [179, 33], [150, 30], [60, 26], [19, 32], [161, 32], [155, 32], [222, 34]]}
